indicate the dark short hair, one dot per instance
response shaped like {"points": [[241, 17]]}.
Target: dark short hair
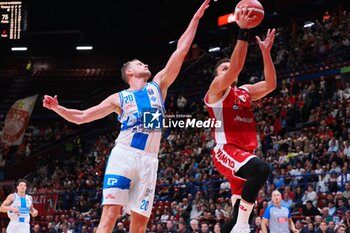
{"points": [[21, 180], [124, 68], [218, 63]]}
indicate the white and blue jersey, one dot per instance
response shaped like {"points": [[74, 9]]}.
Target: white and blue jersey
{"points": [[278, 218], [23, 204], [135, 106]]}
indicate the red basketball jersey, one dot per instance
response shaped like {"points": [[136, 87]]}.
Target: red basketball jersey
{"points": [[235, 111]]}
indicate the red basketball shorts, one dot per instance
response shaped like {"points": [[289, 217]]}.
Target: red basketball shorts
{"points": [[228, 160]]}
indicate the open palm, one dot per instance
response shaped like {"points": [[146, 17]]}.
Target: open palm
{"points": [[266, 44]]}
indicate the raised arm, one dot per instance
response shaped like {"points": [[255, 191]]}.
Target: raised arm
{"points": [[261, 89], [109, 105], [222, 82], [168, 75]]}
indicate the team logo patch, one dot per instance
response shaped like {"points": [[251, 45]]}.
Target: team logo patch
{"points": [[150, 91], [235, 107], [242, 98], [153, 98]]}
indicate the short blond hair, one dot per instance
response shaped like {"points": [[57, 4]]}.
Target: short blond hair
{"points": [[123, 70]]}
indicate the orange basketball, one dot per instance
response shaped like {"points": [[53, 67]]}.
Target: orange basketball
{"points": [[257, 8]]}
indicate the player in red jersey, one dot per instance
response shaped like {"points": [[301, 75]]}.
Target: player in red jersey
{"points": [[236, 140]]}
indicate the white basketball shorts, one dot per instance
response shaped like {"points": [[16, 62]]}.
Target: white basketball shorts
{"points": [[130, 179], [18, 227]]}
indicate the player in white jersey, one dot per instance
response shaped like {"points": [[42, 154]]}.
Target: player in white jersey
{"points": [[131, 171], [19, 207]]}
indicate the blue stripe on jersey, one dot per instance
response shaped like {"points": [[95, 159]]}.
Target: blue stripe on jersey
{"points": [[23, 209], [143, 104], [23, 202], [139, 141], [142, 100], [116, 181]]}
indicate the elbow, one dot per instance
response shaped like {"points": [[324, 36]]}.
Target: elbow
{"points": [[79, 120]]}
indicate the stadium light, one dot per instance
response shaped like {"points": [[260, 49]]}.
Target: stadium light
{"points": [[214, 50], [19, 49], [88, 47], [308, 24]]}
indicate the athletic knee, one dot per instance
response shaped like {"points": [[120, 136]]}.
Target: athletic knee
{"points": [[263, 170]]}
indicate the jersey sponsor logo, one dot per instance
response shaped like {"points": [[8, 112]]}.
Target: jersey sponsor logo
{"points": [[129, 105], [244, 119], [243, 208], [225, 159], [148, 192], [112, 181], [242, 98], [235, 107], [282, 220], [116, 181], [110, 196]]}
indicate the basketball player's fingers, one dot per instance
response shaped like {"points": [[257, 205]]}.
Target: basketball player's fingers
{"points": [[268, 32], [273, 32], [250, 13], [258, 39], [55, 97], [244, 11], [238, 16], [206, 4], [252, 18]]}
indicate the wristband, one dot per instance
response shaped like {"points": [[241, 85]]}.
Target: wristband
{"points": [[244, 34]]}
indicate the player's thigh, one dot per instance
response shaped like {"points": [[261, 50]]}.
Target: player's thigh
{"points": [[142, 193], [120, 171]]}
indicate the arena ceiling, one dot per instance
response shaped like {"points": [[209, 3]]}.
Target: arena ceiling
{"points": [[136, 24]]}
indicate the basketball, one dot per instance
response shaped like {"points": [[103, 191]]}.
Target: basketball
{"points": [[257, 8]]}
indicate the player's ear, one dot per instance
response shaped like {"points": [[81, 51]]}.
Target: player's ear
{"points": [[129, 72]]}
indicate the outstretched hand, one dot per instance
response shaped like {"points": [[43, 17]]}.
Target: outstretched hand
{"points": [[50, 102], [266, 44], [244, 18], [202, 8]]}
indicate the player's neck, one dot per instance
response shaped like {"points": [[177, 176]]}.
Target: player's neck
{"points": [[137, 84], [21, 194]]}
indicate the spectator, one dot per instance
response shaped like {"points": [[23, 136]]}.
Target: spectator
{"points": [[308, 228], [324, 229], [181, 102], [183, 228], [217, 228], [205, 227], [310, 209], [195, 226], [346, 193], [310, 195], [169, 227], [257, 225], [120, 228], [331, 208], [36, 229], [50, 228]]}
